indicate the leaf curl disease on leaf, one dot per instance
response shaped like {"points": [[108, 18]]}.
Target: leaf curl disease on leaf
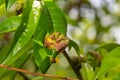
{"points": [[56, 41]]}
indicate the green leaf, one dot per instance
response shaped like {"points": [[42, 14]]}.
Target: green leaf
{"points": [[25, 37], [51, 20], [18, 64], [23, 24], [87, 72], [23, 41], [10, 24], [57, 17], [43, 59], [44, 26], [111, 61], [40, 53], [11, 60], [75, 46], [108, 47], [113, 74], [9, 3], [3, 53]]}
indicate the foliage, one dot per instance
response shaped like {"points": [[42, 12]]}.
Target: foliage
{"points": [[40, 35]]}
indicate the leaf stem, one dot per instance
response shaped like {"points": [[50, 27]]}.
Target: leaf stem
{"points": [[35, 74]]}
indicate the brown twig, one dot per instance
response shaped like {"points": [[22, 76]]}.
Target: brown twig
{"points": [[74, 67], [35, 74]]}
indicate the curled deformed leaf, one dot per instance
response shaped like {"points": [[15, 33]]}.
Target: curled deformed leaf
{"points": [[56, 41]]}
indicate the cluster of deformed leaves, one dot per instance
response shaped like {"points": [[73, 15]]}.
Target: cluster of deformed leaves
{"points": [[56, 41]]}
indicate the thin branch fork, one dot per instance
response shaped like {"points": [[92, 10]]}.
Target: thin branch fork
{"points": [[35, 74]]}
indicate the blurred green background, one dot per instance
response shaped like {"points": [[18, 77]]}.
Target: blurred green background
{"points": [[90, 24]]}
